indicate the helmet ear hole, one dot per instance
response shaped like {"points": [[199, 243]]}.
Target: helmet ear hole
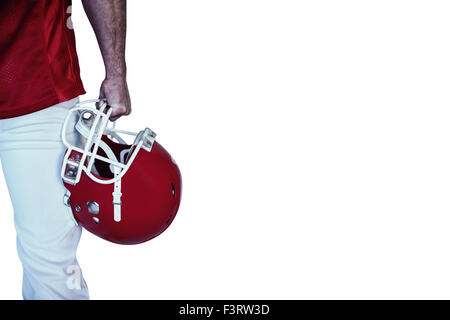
{"points": [[173, 191], [93, 207]]}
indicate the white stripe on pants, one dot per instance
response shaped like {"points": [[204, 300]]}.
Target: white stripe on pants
{"points": [[31, 153]]}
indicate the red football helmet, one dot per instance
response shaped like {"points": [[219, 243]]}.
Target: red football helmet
{"points": [[123, 193]]}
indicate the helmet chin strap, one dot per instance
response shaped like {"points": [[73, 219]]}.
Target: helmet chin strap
{"points": [[117, 194], [85, 131]]}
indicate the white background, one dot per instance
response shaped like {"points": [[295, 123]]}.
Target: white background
{"points": [[313, 138]]}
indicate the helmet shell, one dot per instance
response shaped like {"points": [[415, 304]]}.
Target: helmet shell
{"points": [[151, 195]]}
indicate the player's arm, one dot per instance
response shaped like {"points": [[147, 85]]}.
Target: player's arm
{"points": [[108, 19]]}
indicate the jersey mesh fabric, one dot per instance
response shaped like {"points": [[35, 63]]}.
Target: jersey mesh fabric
{"points": [[38, 61]]}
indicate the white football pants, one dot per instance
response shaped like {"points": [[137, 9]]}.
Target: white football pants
{"points": [[31, 153]]}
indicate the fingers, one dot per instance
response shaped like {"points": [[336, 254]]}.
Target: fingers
{"points": [[100, 103], [115, 92], [118, 112]]}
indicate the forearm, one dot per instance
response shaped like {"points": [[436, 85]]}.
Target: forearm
{"points": [[108, 19]]}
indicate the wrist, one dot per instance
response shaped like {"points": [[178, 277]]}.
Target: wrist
{"points": [[116, 70]]}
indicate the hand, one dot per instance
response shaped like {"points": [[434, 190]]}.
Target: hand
{"points": [[115, 91]]}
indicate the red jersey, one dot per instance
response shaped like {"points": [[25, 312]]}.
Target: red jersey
{"points": [[38, 59]]}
